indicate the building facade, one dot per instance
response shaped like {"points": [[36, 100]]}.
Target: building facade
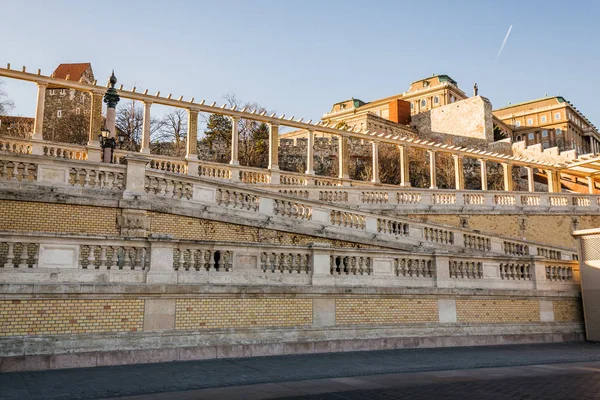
{"points": [[551, 122], [67, 111]]}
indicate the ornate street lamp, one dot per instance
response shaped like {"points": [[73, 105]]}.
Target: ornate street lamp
{"points": [[107, 142]]}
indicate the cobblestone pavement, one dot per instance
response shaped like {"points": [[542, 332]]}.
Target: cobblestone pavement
{"points": [[460, 372]]}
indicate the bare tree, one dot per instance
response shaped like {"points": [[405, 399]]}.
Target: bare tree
{"points": [[6, 104], [130, 122], [253, 135], [171, 137]]}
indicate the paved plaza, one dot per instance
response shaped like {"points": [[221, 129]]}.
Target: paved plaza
{"points": [[568, 370]]}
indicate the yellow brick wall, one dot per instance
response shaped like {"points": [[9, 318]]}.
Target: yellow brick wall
{"points": [[497, 311], [536, 226], [53, 317], [384, 311], [241, 313], [182, 227], [19, 216], [568, 311]]}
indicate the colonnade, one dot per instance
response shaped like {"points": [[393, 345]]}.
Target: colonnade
{"points": [[343, 156]]}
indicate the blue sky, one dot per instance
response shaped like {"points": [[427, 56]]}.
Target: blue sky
{"points": [[298, 58]]}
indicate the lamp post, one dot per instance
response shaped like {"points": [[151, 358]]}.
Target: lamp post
{"points": [[108, 143]]}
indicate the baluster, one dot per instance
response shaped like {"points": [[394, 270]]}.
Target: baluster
{"points": [[25, 176], [86, 179], [91, 259], [181, 261], [24, 256], [211, 260], [201, 260], [36, 252], [114, 258], [138, 257], [103, 258], [4, 170], [126, 258], [15, 171]]}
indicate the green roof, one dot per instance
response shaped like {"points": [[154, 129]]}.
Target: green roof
{"points": [[442, 78], [559, 99], [356, 102]]}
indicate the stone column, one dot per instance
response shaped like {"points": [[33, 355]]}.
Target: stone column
{"points": [[273, 147], [507, 174], [484, 182], [404, 167], [192, 134], [38, 126], [145, 148], [95, 119], [590, 180], [553, 181], [235, 139], [310, 153], [459, 174], [375, 161], [530, 181], [432, 170], [343, 157]]}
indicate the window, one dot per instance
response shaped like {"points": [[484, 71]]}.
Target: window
{"points": [[544, 133], [51, 92], [543, 118], [518, 123], [557, 116], [78, 111], [412, 105], [518, 138], [423, 103], [436, 100], [62, 91], [559, 131], [452, 98], [59, 113], [531, 136], [529, 121]]}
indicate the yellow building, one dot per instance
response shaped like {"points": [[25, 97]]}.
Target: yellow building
{"points": [[422, 95], [553, 122]]}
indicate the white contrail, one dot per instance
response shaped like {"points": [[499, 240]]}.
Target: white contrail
{"points": [[503, 43]]}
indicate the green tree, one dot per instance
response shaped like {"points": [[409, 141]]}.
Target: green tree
{"points": [[218, 129]]}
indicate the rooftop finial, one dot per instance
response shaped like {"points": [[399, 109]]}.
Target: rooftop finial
{"points": [[113, 79]]}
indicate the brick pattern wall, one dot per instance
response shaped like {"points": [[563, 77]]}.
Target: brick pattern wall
{"points": [[497, 311], [384, 311], [568, 311], [53, 317], [20, 216], [241, 313], [182, 227]]}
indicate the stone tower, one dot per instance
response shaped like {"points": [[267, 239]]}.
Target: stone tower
{"points": [[67, 111]]}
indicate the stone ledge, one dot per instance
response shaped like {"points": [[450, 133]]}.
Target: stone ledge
{"points": [[124, 357], [24, 291]]}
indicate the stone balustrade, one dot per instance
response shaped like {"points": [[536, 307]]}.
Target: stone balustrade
{"points": [[134, 179], [73, 258], [516, 271], [237, 199]]}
